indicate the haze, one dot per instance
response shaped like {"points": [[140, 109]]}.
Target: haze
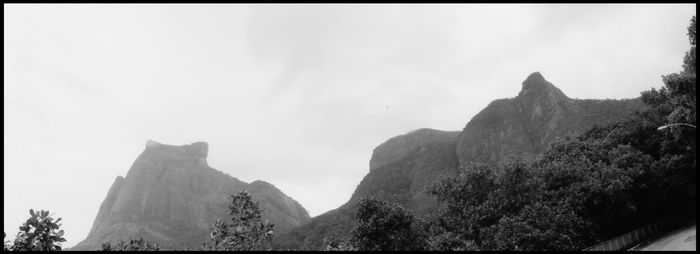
{"points": [[295, 95]]}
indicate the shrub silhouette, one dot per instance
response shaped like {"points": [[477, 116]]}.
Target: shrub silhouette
{"points": [[131, 245], [39, 233], [247, 230]]}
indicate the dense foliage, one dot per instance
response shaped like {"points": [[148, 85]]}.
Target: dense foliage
{"points": [[247, 230], [131, 245], [6, 244], [609, 180], [334, 243], [39, 233], [324, 231], [385, 227]]}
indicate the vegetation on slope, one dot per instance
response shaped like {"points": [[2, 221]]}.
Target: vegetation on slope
{"points": [[610, 179], [580, 190]]}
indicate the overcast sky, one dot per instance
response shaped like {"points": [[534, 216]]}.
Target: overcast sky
{"points": [[295, 95]]}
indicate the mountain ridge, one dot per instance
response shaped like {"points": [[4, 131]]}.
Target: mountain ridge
{"points": [[171, 196], [524, 125], [403, 166]]}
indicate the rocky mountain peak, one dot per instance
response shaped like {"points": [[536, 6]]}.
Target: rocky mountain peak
{"points": [[536, 86], [402, 167], [525, 125], [196, 149], [199, 149], [153, 144], [535, 77], [170, 196]]}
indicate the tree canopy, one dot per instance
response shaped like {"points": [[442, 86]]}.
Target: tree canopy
{"points": [[582, 189], [246, 232], [39, 233]]}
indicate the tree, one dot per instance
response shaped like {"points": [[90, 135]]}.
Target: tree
{"points": [[6, 244], [39, 233], [553, 203], [247, 230], [540, 226], [466, 205], [622, 175], [333, 243], [515, 187], [611, 179], [131, 245], [689, 60], [675, 102], [595, 179], [449, 241], [385, 227]]}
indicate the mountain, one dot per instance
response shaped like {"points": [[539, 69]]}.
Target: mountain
{"points": [[403, 166], [172, 197], [400, 170], [523, 126]]}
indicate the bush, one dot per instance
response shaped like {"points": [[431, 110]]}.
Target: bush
{"points": [[385, 227], [246, 232], [39, 233], [131, 245]]}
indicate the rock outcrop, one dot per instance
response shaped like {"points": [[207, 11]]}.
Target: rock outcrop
{"points": [[400, 171], [403, 166], [398, 147], [523, 126], [172, 197]]}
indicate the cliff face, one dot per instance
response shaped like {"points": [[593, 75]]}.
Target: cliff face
{"points": [[523, 126], [400, 170], [171, 196], [400, 146], [403, 166]]}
